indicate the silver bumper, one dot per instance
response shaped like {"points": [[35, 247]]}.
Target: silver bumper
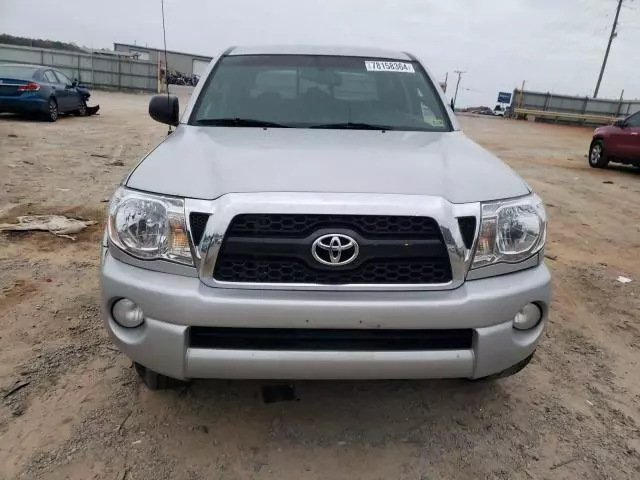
{"points": [[172, 303]]}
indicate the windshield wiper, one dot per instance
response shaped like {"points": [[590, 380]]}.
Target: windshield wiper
{"points": [[352, 126], [239, 122]]}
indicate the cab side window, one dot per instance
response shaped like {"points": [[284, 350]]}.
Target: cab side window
{"points": [[62, 78], [50, 77]]}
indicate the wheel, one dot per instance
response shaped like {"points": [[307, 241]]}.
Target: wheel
{"points": [[82, 109], [51, 114], [597, 157], [52, 110], [518, 367], [154, 380]]}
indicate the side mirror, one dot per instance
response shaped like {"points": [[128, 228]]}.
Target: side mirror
{"points": [[74, 84], [165, 109], [620, 123]]}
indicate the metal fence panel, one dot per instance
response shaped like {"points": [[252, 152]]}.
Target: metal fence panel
{"points": [[17, 56], [574, 104], [93, 70], [632, 107], [567, 104], [65, 60], [603, 107]]}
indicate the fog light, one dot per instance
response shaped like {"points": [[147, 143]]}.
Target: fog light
{"points": [[127, 313], [528, 317]]}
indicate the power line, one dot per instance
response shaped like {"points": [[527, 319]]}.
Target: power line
{"points": [[606, 54]]}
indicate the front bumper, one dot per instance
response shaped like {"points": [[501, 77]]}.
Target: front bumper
{"points": [[173, 303]]}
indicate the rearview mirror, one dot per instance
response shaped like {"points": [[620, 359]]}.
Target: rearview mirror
{"points": [[165, 109], [620, 123], [321, 76]]}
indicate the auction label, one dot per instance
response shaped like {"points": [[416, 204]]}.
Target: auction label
{"points": [[379, 66]]}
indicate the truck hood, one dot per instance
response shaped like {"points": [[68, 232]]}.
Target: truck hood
{"points": [[208, 162]]}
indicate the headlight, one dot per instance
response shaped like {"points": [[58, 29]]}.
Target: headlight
{"points": [[149, 227], [511, 231]]}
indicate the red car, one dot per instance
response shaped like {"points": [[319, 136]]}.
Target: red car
{"points": [[618, 143]]}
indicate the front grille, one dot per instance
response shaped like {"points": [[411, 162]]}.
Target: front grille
{"points": [[248, 269], [277, 248], [301, 225], [311, 339]]}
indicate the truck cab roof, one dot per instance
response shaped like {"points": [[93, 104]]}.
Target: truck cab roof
{"points": [[319, 50]]}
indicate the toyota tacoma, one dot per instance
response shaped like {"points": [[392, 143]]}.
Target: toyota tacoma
{"points": [[318, 214]]}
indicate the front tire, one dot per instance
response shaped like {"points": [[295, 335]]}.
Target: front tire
{"points": [[51, 115], [82, 109], [597, 156], [154, 380]]}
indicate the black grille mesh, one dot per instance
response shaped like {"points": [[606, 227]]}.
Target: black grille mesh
{"points": [[301, 225], [247, 269], [283, 252], [467, 230], [198, 222], [302, 339]]}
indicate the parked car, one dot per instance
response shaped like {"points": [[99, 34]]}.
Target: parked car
{"points": [[484, 111], [478, 110], [41, 91], [307, 220], [618, 143], [499, 111]]}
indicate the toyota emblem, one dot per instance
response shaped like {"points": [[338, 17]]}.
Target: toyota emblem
{"points": [[335, 249]]}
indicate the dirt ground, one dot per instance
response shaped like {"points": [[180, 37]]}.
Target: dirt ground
{"points": [[71, 406]]}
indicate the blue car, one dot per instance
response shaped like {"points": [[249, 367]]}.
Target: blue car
{"points": [[40, 91]]}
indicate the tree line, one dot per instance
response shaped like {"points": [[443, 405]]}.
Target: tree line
{"points": [[38, 43]]}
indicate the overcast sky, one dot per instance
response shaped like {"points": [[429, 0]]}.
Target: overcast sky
{"points": [[555, 45]]}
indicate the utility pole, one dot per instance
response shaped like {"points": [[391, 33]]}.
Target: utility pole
{"points": [[455, 95], [606, 54]]}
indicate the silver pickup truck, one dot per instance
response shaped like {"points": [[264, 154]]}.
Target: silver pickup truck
{"points": [[318, 214]]}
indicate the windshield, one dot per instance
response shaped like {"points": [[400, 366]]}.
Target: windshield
{"points": [[305, 91]]}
